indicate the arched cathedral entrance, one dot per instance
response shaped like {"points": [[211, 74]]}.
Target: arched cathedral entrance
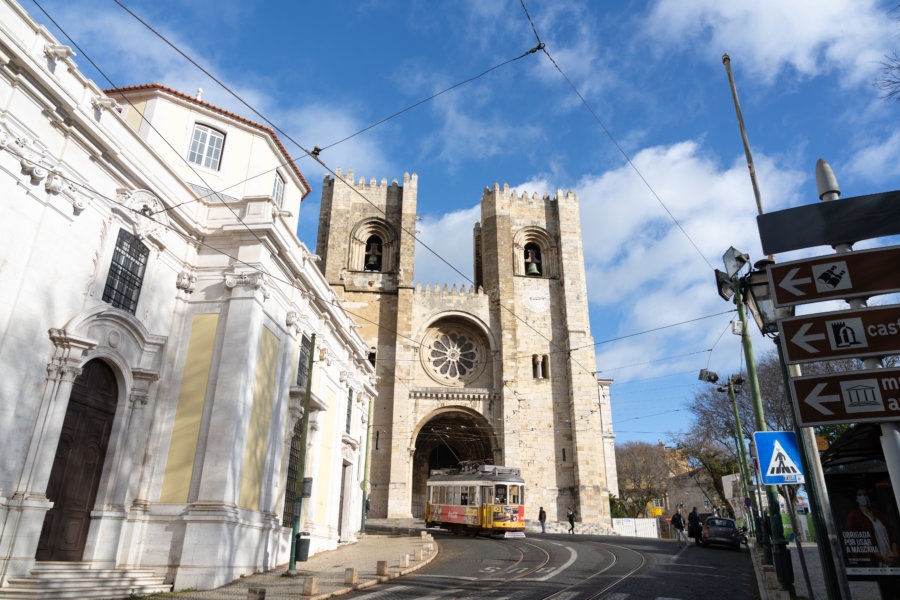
{"points": [[448, 438], [75, 475]]}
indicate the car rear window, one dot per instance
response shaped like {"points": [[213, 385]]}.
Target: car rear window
{"points": [[720, 523]]}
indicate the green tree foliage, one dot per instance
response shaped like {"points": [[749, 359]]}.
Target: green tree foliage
{"points": [[711, 441], [643, 475], [617, 507]]}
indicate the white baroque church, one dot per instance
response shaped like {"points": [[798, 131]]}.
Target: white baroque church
{"points": [[156, 317]]}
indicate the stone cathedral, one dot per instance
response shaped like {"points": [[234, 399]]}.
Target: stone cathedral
{"points": [[500, 372]]}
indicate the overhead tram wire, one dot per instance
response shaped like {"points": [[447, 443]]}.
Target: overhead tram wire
{"points": [[315, 156], [613, 139], [162, 137], [177, 232], [623, 337]]}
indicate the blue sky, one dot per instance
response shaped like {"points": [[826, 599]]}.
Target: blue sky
{"points": [[651, 72]]}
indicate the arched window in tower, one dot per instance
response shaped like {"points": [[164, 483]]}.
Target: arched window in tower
{"points": [[373, 253], [533, 260]]}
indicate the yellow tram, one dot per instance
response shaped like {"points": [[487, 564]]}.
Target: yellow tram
{"points": [[486, 500]]}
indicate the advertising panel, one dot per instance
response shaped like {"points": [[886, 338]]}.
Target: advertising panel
{"points": [[868, 523]]}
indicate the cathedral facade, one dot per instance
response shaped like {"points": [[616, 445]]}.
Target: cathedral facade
{"points": [[502, 371]]}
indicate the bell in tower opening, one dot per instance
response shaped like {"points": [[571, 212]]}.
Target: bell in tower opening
{"points": [[532, 259], [373, 253]]}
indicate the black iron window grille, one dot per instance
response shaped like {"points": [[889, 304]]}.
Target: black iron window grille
{"points": [[126, 273]]}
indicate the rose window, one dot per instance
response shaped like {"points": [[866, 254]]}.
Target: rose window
{"points": [[452, 356]]}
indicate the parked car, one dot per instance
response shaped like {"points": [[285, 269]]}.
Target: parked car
{"points": [[719, 530]]}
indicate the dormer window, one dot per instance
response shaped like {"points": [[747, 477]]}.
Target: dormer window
{"points": [[206, 147], [373, 253], [278, 190], [533, 260]]}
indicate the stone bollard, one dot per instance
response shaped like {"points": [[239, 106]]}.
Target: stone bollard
{"points": [[256, 593], [351, 576], [404, 561], [382, 568], [310, 586], [424, 535], [419, 554]]}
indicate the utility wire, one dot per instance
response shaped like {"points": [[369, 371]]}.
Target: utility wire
{"points": [[612, 138], [163, 138], [314, 154], [352, 187]]}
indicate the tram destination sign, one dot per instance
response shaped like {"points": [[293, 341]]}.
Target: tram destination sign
{"points": [[841, 334], [843, 221], [851, 397], [845, 275]]}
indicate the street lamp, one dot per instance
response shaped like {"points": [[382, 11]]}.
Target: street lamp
{"points": [[735, 261], [762, 306], [760, 301]]}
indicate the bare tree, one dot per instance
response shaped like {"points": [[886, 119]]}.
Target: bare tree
{"points": [[889, 82], [643, 475]]}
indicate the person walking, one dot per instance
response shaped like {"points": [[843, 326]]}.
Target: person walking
{"points": [[542, 517], [694, 526], [570, 514], [678, 524]]}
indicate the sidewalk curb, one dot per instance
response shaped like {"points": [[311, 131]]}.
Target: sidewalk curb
{"points": [[760, 584], [382, 579]]}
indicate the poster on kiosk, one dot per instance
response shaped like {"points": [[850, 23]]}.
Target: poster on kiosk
{"points": [[868, 523], [863, 505]]}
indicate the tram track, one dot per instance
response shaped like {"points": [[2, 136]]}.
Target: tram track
{"points": [[567, 591], [532, 570]]}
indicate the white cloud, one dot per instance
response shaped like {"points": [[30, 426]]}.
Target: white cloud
{"points": [[450, 236], [641, 265], [878, 162], [809, 36]]}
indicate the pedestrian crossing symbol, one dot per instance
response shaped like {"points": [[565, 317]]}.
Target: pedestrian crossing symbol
{"points": [[779, 457]]}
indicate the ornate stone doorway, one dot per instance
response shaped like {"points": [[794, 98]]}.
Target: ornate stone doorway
{"points": [[447, 439], [76, 470]]}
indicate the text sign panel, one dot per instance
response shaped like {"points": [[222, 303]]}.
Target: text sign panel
{"points": [[852, 397], [845, 275], [842, 221], [841, 334]]}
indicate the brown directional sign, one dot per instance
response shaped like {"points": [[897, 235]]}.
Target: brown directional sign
{"points": [[841, 334], [851, 397], [845, 275]]}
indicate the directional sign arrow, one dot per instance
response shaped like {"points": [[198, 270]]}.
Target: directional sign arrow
{"points": [[816, 400], [868, 396], [803, 336], [791, 280], [858, 333], [856, 274]]}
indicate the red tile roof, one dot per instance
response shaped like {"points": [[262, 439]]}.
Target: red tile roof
{"points": [[268, 130]]}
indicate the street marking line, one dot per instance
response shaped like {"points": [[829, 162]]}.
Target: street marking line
{"points": [[573, 556]]}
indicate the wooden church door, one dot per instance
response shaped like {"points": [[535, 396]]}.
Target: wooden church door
{"points": [[78, 464]]}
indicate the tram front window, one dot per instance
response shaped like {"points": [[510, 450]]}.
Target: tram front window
{"points": [[500, 494]]}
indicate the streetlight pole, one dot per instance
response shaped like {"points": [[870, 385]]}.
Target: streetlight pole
{"points": [[366, 486], [301, 466], [744, 463], [780, 555]]}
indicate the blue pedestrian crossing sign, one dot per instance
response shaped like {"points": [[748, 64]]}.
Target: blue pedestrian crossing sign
{"points": [[779, 457]]}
